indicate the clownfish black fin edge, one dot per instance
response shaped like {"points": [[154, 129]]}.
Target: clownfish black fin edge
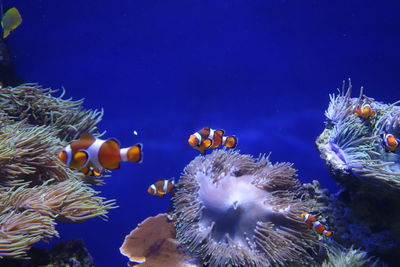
{"points": [[140, 146], [87, 157]]}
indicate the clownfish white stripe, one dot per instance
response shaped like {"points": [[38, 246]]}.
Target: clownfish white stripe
{"points": [[165, 187], [68, 150], [325, 232], [154, 189], [224, 140], [306, 217], [198, 136], [124, 154], [211, 135], [93, 150], [315, 224]]}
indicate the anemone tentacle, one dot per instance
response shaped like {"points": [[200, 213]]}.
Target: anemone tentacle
{"points": [[236, 210]]}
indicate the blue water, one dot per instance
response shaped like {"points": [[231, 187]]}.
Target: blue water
{"points": [[261, 70]]}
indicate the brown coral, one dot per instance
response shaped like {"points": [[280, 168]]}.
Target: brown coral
{"points": [[153, 243]]}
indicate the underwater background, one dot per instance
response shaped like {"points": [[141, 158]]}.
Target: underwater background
{"points": [[261, 70]]}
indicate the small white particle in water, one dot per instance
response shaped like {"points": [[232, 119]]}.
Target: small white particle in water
{"points": [[135, 132]]}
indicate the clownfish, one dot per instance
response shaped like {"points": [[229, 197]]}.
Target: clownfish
{"points": [[312, 222], [97, 154], [364, 111], [161, 187], [209, 138], [389, 142], [91, 171]]}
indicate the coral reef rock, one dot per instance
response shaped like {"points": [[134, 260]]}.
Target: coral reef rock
{"points": [[358, 220], [72, 253], [153, 243]]}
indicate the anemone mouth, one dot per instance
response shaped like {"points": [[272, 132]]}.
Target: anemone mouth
{"points": [[234, 210]]}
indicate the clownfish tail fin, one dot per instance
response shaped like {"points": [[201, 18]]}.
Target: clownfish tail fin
{"points": [[135, 153], [231, 141]]}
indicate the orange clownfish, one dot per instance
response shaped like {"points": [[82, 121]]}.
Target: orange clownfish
{"points": [[91, 171], [364, 111], [208, 138], [97, 154], [389, 142], [312, 222], [161, 187]]}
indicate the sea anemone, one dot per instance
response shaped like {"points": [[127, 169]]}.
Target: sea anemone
{"points": [[352, 147], [36, 188], [37, 106], [235, 210], [341, 257]]}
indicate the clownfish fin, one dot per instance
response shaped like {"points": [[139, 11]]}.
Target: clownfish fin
{"points": [[80, 159], [207, 143], [202, 151], [135, 153], [328, 233], [114, 166], [85, 170], [97, 173], [231, 141], [220, 132], [87, 157], [114, 143], [87, 136]]}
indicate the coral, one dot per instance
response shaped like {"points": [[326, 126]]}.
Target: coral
{"points": [[153, 243], [36, 188], [235, 210], [71, 253]]}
